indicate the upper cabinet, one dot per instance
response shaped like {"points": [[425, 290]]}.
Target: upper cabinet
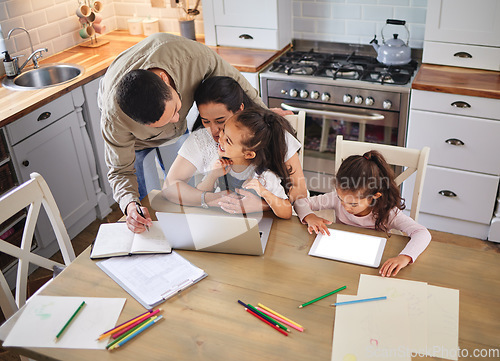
{"points": [[257, 24], [463, 33]]}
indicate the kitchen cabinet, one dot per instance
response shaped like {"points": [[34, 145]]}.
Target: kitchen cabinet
{"points": [[463, 33], [258, 24], [463, 173], [51, 141], [92, 116]]}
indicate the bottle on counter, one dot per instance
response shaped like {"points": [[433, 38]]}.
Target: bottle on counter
{"points": [[8, 63]]}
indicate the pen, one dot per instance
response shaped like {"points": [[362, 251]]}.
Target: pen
{"points": [[70, 319], [139, 210], [359, 301], [321, 297]]}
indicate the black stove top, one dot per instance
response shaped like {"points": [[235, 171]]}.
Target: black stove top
{"points": [[343, 66]]}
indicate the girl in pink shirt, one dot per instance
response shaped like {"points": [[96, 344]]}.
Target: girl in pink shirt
{"points": [[366, 196]]}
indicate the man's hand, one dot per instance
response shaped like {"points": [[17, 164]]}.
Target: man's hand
{"points": [[135, 222]]}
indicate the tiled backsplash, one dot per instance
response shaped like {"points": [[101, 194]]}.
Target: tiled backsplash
{"points": [[53, 24]]}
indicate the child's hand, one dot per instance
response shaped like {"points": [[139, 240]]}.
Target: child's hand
{"points": [[317, 224], [221, 167], [255, 185], [392, 266]]}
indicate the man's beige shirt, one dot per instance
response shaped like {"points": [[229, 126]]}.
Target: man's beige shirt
{"points": [[188, 63]]}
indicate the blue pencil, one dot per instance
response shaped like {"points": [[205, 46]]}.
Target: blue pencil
{"points": [[359, 301], [150, 323]]}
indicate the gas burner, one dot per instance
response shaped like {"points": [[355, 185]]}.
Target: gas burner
{"points": [[300, 69]]}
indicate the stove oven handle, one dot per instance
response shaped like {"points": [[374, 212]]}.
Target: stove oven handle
{"points": [[333, 114]]}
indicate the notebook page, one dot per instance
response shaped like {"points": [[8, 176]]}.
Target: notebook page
{"points": [[112, 238], [151, 241]]}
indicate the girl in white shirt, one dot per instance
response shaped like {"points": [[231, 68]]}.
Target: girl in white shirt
{"points": [[252, 148]]}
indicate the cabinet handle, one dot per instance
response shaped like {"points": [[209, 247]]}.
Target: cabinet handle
{"points": [[43, 116], [246, 36], [25, 163], [447, 193], [462, 54], [460, 104], [454, 141]]}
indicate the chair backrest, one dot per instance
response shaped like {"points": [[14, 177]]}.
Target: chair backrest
{"points": [[31, 194], [413, 160], [298, 122]]}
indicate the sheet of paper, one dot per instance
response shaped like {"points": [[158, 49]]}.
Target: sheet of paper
{"points": [[415, 293], [44, 316], [378, 330], [443, 305], [151, 241]]}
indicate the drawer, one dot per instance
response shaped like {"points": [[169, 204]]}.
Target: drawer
{"points": [[445, 133], [455, 104], [479, 57], [247, 37], [39, 119], [474, 198]]}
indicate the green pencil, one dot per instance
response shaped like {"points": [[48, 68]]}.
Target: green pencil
{"points": [[69, 321], [321, 297]]}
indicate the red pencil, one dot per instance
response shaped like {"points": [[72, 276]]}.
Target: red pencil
{"points": [[139, 320], [269, 323]]}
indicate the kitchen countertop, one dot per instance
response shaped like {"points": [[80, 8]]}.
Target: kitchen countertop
{"points": [[15, 104], [455, 80]]}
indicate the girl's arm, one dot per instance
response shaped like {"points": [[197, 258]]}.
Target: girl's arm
{"points": [[280, 206], [306, 206], [220, 167], [298, 187]]}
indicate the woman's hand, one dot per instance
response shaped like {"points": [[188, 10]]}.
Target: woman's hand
{"points": [[392, 266], [255, 185], [135, 222], [242, 202], [317, 224], [281, 112]]}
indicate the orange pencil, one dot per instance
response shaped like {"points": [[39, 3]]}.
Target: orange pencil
{"points": [[122, 326]]}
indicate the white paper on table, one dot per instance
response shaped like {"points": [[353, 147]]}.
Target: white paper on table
{"points": [[443, 322], [412, 291], [44, 316], [377, 330]]}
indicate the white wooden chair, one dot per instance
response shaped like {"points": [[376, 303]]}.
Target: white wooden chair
{"points": [[413, 160], [31, 194], [298, 122]]}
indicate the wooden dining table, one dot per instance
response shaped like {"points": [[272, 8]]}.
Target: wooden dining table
{"points": [[206, 322]]}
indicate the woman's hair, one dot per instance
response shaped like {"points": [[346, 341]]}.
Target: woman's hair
{"points": [[368, 174], [266, 137], [222, 90], [142, 95]]}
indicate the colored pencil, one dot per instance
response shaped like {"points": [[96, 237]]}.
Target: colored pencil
{"points": [[277, 314], [129, 332], [263, 320], [279, 319], [321, 297], [359, 301], [70, 320], [150, 323], [122, 326], [139, 320], [269, 319]]}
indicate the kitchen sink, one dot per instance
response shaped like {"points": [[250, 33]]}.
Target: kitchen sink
{"points": [[45, 76]]}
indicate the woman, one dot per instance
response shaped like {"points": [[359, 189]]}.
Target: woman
{"points": [[217, 99]]}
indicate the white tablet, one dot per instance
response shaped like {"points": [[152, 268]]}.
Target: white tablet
{"points": [[349, 247]]}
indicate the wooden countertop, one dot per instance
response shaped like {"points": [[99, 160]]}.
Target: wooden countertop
{"points": [[15, 104], [455, 80]]}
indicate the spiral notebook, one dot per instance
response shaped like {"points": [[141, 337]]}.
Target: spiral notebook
{"points": [[152, 279]]}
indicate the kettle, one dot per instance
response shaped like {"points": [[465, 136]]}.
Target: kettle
{"points": [[393, 51]]}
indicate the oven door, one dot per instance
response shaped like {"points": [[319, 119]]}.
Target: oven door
{"points": [[323, 124]]}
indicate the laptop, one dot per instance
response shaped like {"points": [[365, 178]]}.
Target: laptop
{"points": [[215, 233]]}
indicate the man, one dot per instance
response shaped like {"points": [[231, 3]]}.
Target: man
{"points": [[144, 98]]}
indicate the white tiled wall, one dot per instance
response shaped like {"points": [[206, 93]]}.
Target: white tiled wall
{"points": [[357, 21]]}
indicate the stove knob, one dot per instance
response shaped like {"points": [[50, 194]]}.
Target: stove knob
{"points": [[347, 98], [387, 104], [369, 101], [304, 94], [293, 93], [325, 97], [283, 91], [358, 99], [314, 94]]}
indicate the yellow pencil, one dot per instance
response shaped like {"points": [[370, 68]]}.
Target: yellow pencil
{"points": [[277, 314]]}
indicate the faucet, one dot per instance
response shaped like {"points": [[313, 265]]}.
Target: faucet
{"points": [[35, 54]]}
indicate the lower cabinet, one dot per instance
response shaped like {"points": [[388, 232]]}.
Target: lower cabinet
{"points": [[57, 151]]}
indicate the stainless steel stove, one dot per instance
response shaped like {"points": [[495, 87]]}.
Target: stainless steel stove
{"points": [[347, 92]]}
